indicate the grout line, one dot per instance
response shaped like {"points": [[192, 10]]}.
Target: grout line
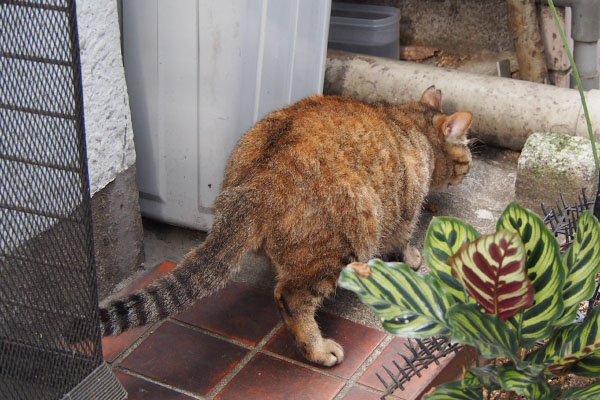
{"points": [[244, 361], [159, 383], [301, 364], [215, 335], [137, 343], [253, 350], [353, 381]]}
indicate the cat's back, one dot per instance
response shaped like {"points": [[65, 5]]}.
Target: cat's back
{"points": [[310, 136]]}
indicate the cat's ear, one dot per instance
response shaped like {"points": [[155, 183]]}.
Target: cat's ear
{"points": [[455, 127], [432, 97]]}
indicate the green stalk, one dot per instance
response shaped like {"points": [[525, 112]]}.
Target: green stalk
{"points": [[579, 87]]}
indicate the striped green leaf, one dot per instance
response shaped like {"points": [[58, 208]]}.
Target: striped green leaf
{"points": [[492, 270], [456, 390], [485, 331], [410, 305], [568, 316], [583, 262], [552, 350], [444, 237], [544, 268], [588, 367], [534, 387], [591, 392], [570, 344], [487, 376]]}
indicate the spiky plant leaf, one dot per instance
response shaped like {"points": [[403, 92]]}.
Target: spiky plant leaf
{"points": [[487, 332], [444, 237], [492, 270], [409, 304], [583, 262], [591, 392], [570, 344], [534, 387], [457, 390], [544, 268]]}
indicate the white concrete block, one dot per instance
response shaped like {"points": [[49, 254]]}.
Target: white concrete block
{"points": [[109, 133]]}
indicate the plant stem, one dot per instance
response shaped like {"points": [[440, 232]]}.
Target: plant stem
{"points": [[579, 87]]}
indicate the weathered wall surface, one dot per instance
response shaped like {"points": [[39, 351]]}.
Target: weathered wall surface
{"points": [[106, 103], [118, 235], [455, 26]]}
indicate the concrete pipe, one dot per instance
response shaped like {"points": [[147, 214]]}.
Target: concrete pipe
{"points": [[506, 110]]}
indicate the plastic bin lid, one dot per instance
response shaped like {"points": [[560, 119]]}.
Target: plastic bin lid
{"points": [[363, 15]]}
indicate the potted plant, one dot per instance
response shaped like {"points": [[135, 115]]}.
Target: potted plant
{"points": [[511, 294]]}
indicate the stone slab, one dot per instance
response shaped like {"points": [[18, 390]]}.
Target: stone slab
{"points": [[552, 163]]}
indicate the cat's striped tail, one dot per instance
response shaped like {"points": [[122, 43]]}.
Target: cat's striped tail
{"points": [[202, 271]]}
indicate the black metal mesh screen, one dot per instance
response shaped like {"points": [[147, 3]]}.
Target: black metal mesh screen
{"points": [[47, 271]]}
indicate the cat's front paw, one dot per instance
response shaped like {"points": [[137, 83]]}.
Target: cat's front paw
{"points": [[327, 352], [412, 257]]}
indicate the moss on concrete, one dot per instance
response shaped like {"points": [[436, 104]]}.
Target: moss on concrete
{"points": [[551, 164]]}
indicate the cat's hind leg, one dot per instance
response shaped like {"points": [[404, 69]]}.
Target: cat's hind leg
{"points": [[298, 301]]}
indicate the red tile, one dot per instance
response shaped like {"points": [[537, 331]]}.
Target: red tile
{"points": [[114, 346], [357, 393], [163, 268], [141, 389], [184, 358], [358, 341], [389, 354], [238, 312], [416, 386], [269, 378]]}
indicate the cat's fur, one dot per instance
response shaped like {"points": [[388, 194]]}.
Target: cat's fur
{"points": [[314, 186]]}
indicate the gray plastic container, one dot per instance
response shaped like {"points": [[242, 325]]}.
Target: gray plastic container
{"points": [[365, 29]]}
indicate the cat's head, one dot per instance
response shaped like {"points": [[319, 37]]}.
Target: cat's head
{"points": [[453, 156]]}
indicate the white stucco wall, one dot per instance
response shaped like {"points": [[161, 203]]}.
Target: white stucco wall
{"points": [[108, 126]]}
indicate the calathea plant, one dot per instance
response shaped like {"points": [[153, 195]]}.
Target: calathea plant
{"points": [[511, 294]]}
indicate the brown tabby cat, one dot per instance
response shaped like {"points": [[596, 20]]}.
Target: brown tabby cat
{"points": [[315, 186]]}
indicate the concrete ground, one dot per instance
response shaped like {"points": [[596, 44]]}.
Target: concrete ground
{"points": [[479, 200]]}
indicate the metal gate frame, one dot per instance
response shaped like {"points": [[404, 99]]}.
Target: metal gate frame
{"points": [[50, 342]]}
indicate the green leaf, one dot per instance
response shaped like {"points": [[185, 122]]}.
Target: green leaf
{"points": [[545, 270], [588, 367], [570, 344], [534, 387], [492, 270], [591, 392], [485, 331], [409, 304], [487, 376], [444, 237], [569, 315], [583, 262], [457, 390], [552, 350]]}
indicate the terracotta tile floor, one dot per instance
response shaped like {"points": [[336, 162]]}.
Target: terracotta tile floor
{"points": [[233, 346]]}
